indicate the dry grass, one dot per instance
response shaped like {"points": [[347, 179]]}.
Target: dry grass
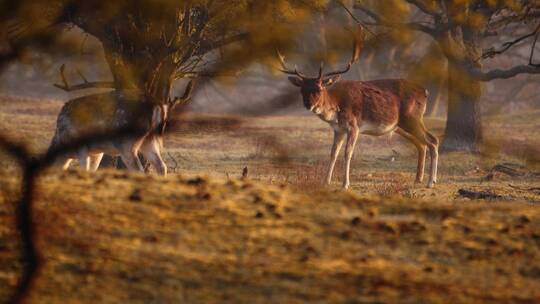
{"points": [[115, 238]]}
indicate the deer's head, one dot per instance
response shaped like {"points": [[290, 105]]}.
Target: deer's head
{"points": [[313, 89], [173, 102], [160, 114]]}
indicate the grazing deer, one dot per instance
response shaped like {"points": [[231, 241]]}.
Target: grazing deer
{"points": [[375, 107], [108, 112]]}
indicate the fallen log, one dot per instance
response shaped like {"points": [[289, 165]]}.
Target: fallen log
{"points": [[479, 195]]}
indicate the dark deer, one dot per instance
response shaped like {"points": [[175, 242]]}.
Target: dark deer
{"points": [[107, 112], [375, 107]]}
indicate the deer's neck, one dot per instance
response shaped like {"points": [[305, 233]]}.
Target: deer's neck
{"points": [[327, 107], [159, 119]]}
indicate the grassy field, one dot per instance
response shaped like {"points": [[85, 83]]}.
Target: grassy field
{"points": [[203, 235]]}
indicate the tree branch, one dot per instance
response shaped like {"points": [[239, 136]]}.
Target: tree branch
{"points": [[207, 46], [505, 74], [490, 53], [531, 57], [360, 22], [381, 22], [424, 7]]}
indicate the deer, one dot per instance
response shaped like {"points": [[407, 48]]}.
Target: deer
{"points": [[108, 112], [375, 107]]}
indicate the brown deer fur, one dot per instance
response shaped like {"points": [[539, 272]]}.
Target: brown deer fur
{"points": [[375, 107]]}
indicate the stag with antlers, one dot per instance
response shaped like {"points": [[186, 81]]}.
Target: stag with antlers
{"points": [[108, 112], [374, 107]]}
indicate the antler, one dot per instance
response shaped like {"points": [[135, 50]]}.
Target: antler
{"points": [[187, 94], [86, 85], [355, 56], [286, 70]]}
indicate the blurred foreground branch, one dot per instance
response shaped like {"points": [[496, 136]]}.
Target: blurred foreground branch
{"points": [[32, 166]]}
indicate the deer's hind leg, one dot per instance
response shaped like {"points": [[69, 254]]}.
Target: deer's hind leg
{"points": [[129, 152], [416, 128], [95, 160], [421, 153], [66, 163], [433, 145], [352, 137]]}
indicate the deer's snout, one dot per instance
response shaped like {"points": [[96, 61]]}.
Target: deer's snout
{"points": [[311, 101]]}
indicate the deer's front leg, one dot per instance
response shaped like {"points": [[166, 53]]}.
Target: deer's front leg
{"points": [[339, 138], [129, 153], [352, 137]]}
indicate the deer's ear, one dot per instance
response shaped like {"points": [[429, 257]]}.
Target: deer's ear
{"points": [[328, 82], [296, 81]]}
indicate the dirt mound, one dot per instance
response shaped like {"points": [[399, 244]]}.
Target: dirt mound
{"points": [[113, 237]]}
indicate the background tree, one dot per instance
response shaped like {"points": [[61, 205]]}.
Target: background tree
{"points": [[150, 44], [462, 32]]}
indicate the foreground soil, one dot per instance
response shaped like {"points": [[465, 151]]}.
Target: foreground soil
{"points": [[117, 238]]}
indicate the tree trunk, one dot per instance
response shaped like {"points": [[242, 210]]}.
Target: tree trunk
{"points": [[463, 126]]}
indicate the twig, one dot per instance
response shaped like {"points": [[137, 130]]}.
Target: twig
{"points": [[174, 161], [356, 19], [533, 47], [490, 53]]}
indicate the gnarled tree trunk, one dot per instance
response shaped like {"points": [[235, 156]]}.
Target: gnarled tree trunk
{"points": [[463, 126]]}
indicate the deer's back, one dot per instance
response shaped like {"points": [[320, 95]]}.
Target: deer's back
{"points": [[366, 101], [97, 114], [412, 97], [101, 112], [87, 113]]}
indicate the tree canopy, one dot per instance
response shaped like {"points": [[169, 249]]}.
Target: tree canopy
{"points": [[149, 44]]}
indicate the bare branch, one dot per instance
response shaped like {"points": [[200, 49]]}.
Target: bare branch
{"points": [[361, 23], [505, 74], [378, 21], [82, 76], [424, 7], [490, 53], [531, 57], [207, 46]]}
